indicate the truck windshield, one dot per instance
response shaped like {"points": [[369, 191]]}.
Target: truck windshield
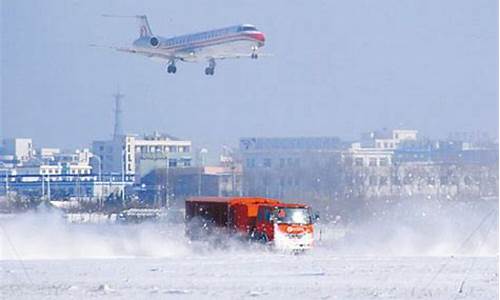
{"points": [[293, 216]]}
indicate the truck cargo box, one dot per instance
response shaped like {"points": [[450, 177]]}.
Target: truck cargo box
{"points": [[230, 212]]}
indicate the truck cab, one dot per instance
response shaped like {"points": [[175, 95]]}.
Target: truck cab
{"points": [[287, 226]]}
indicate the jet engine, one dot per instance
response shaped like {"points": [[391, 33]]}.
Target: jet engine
{"points": [[154, 42]]}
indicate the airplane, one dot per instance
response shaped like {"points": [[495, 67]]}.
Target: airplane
{"points": [[230, 42]]}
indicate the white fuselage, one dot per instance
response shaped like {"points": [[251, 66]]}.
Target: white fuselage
{"points": [[230, 42]]}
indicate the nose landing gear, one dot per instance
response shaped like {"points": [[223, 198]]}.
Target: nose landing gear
{"points": [[210, 70], [254, 54]]}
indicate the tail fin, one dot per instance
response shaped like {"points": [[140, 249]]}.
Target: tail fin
{"points": [[144, 29]]}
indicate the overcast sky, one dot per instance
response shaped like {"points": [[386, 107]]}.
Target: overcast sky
{"points": [[339, 68]]}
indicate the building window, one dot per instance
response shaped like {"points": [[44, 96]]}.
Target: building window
{"points": [[184, 149], [172, 163], [383, 181], [267, 162], [297, 162], [384, 161], [372, 162], [250, 162], [358, 161], [372, 180]]}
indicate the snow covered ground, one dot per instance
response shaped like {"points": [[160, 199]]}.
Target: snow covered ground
{"points": [[243, 274], [421, 257]]}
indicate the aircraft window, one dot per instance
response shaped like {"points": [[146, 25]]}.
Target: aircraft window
{"points": [[248, 28]]}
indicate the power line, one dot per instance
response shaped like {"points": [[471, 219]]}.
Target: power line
{"points": [[18, 257]]}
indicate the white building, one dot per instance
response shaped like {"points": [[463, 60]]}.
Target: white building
{"points": [[377, 148], [48, 153], [139, 155], [20, 148]]}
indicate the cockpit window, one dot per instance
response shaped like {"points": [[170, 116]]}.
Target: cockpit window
{"points": [[248, 28]]}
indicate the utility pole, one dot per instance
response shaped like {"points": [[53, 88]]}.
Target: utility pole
{"points": [[233, 179], [43, 186], [167, 198], [48, 187], [99, 199], [123, 176], [7, 183]]}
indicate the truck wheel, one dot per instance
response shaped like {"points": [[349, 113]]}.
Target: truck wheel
{"points": [[264, 239], [254, 235]]}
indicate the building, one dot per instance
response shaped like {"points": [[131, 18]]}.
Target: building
{"points": [[56, 174], [398, 165], [47, 153], [114, 157], [21, 149], [290, 167], [377, 148], [137, 156]]}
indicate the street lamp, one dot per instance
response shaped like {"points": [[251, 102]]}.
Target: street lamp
{"points": [[203, 151], [100, 180]]}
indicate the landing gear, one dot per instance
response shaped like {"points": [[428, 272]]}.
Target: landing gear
{"points": [[254, 54], [171, 68], [210, 70]]}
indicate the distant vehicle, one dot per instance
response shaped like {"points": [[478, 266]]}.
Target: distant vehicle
{"points": [[208, 46], [139, 215], [283, 225]]}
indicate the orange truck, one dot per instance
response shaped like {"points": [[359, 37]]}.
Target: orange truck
{"points": [[285, 226]]}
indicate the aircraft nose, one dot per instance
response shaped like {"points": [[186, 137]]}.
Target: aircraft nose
{"points": [[259, 36]]}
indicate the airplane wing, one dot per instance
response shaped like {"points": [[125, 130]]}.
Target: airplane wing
{"points": [[238, 55], [135, 51]]}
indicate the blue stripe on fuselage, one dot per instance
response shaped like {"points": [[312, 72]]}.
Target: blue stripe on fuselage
{"points": [[209, 42]]}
